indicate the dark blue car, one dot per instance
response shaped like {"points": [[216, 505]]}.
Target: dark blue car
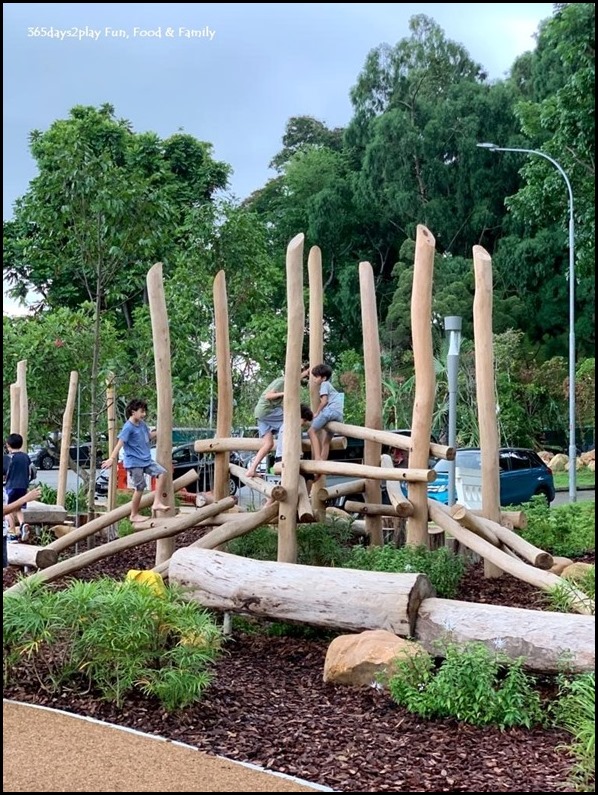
{"points": [[523, 475]]}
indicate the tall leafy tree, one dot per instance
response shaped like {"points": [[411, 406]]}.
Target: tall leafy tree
{"points": [[105, 205]]}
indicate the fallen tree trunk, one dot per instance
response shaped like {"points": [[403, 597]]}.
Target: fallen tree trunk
{"points": [[548, 642], [544, 580], [185, 521], [347, 599], [30, 555]]}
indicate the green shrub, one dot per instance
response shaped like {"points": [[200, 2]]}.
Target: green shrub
{"points": [[317, 544], [116, 636], [443, 568], [473, 684], [576, 712], [73, 500], [565, 530]]}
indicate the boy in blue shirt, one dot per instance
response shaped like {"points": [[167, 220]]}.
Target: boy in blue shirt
{"points": [[135, 438]]}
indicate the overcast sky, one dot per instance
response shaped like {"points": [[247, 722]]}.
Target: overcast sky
{"points": [[235, 83]]}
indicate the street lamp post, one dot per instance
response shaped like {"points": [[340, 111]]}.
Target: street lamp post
{"points": [[452, 327], [572, 444]]}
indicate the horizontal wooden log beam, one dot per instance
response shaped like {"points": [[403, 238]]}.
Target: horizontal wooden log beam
{"points": [[341, 489], [373, 509], [389, 439], [249, 444], [361, 471], [347, 599]]}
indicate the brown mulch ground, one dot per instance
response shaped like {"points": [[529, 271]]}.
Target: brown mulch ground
{"points": [[269, 706]]}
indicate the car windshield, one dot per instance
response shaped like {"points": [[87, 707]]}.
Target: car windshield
{"points": [[467, 459]]}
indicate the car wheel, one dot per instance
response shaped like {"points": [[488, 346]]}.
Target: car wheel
{"points": [[543, 493], [46, 462], [233, 486]]}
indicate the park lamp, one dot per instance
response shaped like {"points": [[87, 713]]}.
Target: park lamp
{"points": [[572, 443]]}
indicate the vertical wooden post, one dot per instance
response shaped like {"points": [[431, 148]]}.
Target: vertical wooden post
{"points": [[161, 338], [111, 421], [485, 388], [24, 404], [423, 405], [373, 394], [15, 408], [316, 356], [65, 440], [225, 386], [291, 451]]}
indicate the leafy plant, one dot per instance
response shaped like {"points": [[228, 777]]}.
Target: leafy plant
{"points": [[576, 712], [560, 596], [73, 500], [444, 569], [318, 544], [473, 684], [117, 636], [566, 530]]}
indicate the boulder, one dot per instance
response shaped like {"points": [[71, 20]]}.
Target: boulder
{"points": [[360, 659]]}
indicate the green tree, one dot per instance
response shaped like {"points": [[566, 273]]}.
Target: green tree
{"points": [[105, 205]]}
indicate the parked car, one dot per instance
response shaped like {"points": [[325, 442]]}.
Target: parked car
{"points": [[184, 458], [522, 475], [47, 456]]}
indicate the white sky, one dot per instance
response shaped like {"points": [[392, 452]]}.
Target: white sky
{"points": [[235, 87]]}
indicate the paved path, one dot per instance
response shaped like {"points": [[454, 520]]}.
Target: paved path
{"points": [[46, 750]]}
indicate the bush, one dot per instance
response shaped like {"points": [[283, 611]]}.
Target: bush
{"points": [[565, 530], [575, 712], [473, 684], [116, 636], [317, 544], [443, 568]]}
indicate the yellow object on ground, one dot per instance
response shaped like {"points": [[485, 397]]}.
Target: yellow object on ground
{"points": [[151, 578]]}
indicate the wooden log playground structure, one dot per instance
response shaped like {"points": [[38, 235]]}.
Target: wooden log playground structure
{"points": [[340, 598]]}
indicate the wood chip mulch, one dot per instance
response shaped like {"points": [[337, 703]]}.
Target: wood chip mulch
{"points": [[268, 705]]}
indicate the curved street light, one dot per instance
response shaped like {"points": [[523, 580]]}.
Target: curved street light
{"points": [[572, 444]]}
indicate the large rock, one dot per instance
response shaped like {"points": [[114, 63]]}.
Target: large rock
{"points": [[360, 659], [559, 462], [559, 564], [576, 571]]}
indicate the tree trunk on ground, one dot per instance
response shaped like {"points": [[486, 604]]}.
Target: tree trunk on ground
{"points": [[346, 599]]}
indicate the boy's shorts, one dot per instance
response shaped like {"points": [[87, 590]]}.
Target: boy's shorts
{"points": [[270, 422], [325, 416], [137, 474], [16, 494]]}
